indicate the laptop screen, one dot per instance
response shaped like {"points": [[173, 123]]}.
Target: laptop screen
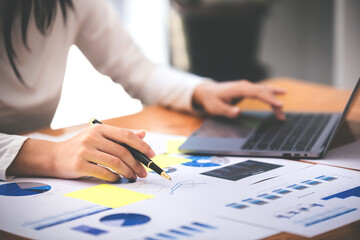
{"points": [[353, 111], [350, 118]]}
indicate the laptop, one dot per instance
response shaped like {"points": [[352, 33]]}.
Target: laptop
{"points": [[259, 134]]}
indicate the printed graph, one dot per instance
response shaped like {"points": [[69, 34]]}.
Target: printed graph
{"points": [[23, 188], [241, 170], [187, 183], [353, 192], [296, 210], [125, 219], [190, 230], [205, 161]]}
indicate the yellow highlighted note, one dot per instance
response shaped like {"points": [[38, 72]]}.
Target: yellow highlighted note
{"points": [[108, 195], [164, 161], [173, 145]]}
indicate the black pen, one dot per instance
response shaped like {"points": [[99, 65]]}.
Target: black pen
{"points": [[139, 156]]}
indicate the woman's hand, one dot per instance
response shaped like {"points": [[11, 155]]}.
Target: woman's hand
{"points": [[86, 154], [217, 98]]}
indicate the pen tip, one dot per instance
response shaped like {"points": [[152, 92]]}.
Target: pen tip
{"points": [[165, 175]]}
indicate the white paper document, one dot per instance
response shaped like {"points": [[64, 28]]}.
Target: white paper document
{"points": [[145, 220], [347, 156], [44, 208], [307, 202], [209, 198]]}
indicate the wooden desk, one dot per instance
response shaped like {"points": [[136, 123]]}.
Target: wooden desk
{"points": [[300, 96]]}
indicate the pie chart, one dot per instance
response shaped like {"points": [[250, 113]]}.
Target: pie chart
{"points": [[124, 219], [205, 161], [23, 188]]}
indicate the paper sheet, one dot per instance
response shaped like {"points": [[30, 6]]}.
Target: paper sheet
{"points": [[203, 201], [143, 220], [108, 195], [347, 156], [307, 202]]}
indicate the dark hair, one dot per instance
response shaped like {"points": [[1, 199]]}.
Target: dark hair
{"points": [[44, 12]]}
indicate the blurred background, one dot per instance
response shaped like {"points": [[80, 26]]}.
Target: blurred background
{"points": [[317, 41]]}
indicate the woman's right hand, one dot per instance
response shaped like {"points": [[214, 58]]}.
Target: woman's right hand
{"points": [[86, 154]]}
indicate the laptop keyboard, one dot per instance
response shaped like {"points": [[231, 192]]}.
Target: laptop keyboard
{"points": [[298, 133]]}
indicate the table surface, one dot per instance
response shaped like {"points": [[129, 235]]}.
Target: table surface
{"points": [[300, 96]]}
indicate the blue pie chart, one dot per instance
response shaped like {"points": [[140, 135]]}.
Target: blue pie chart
{"points": [[205, 161], [23, 188], [124, 219]]}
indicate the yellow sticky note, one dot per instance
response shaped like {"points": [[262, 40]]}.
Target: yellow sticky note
{"points": [[164, 161], [108, 195], [173, 145]]}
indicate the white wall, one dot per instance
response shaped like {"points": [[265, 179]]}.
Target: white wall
{"points": [[347, 43], [313, 40], [297, 40]]}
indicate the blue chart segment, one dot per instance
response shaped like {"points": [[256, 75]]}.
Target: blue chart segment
{"points": [[326, 178], [282, 191], [193, 229], [297, 187], [89, 230], [125, 220], [23, 188], [353, 192], [205, 161]]}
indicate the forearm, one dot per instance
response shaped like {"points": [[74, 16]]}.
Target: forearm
{"points": [[35, 158]]}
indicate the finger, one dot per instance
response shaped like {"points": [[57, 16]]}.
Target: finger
{"points": [[259, 91], [223, 109], [112, 162], [126, 136], [264, 94], [94, 170], [123, 155], [141, 134], [276, 90], [279, 113]]}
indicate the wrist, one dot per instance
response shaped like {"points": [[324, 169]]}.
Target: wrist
{"points": [[200, 93]]}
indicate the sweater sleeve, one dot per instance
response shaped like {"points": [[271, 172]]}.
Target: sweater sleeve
{"points": [[107, 45], [10, 145]]}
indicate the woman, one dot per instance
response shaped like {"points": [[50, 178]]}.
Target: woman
{"points": [[36, 37]]}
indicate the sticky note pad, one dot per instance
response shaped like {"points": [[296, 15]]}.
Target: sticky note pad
{"points": [[108, 195], [173, 145], [164, 161]]}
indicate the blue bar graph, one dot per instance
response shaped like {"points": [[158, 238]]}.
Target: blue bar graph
{"points": [[181, 233], [353, 192], [326, 178], [190, 230]]}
